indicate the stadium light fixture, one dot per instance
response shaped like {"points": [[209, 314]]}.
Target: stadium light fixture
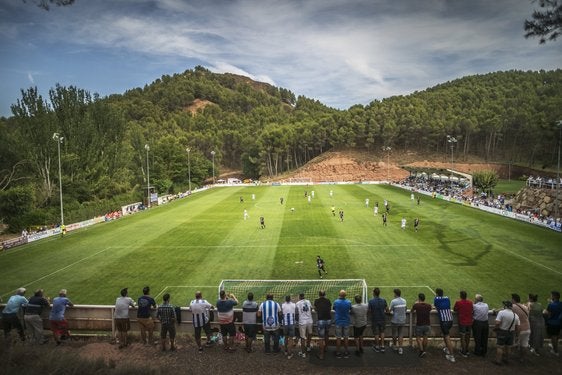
{"points": [[387, 149], [147, 148], [57, 138], [188, 168], [213, 155], [452, 141]]}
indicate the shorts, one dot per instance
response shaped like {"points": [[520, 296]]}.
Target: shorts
{"points": [[305, 330], [423, 330], [168, 328], [358, 331], [378, 328], [342, 331], [122, 324], [523, 338], [289, 331], [396, 329], [464, 330], [228, 329], [504, 338], [206, 328], [250, 330], [552, 330], [446, 327], [146, 324], [59, 327], [323, 326]]}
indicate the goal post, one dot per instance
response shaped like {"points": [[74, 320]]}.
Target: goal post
{"points": [[282, 288]]}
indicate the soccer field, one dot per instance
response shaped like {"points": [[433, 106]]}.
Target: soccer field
{"points": [[194, 243]]}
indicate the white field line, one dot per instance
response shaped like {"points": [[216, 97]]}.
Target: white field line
{"points": [[256, 246], [60, 269], [531, 261]]}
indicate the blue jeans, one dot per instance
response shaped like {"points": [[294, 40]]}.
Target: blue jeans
{"points": [[267, 335]]}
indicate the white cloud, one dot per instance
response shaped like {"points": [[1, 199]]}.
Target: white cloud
{"points": [[30, 78]]}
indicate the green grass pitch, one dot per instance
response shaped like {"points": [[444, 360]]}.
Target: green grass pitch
{"points": [[194, 243]]}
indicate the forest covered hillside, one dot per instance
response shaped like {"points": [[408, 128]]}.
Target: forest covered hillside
{"points": [[254, 127]]}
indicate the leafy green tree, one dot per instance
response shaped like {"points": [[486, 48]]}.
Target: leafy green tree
{"points": [[485, 180], [546, 23]]}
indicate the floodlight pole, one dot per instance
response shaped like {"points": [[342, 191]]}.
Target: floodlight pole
{"points": [[556, 209], [188, 168], [452, 140], [147, 148], [57, 138], [213, 155], [387, 149]]}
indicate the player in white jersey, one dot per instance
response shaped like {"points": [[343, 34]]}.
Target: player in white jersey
{"points": [[403, 223]]}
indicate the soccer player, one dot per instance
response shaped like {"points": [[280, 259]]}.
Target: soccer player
{"points": [[323, 308], [249, 319], [443, 306], [366, 202], [398, 309], [403, 223], [270, 312], [377, 309], [464, 309], [416, 224], [384, 219], [246, 216], [333, 210], [341, 215], [262, 222], [281, 200], [200, 309], [304, 313], [423, 324], [376, 209], [320, 266], [289, 311]]}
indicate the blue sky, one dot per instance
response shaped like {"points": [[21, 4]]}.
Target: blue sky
{"points": [[341, 52]]}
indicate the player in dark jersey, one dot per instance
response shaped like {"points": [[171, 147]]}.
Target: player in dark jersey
{"points": [[262, 222], [416, 224], [384, 219], [320, 266]]}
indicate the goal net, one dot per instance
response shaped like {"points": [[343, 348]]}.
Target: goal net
{"points": [[282, 288]]}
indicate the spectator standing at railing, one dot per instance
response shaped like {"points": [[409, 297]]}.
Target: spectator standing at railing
{"points": [[323, 307], [342, 309], [464, 309], [59, 325], [249, 319], [524, 332], [10, 318], [507, 324], [167, 315], [270, 312], [378, 309], [289, 313], [536, 319], [144, 316], [480, 326], [443, 306], [225, 311], [359, 321], [122, 321], [398, 309], [554, 320], [304, 317], [423, 323], [32, 317], [200, 308]]}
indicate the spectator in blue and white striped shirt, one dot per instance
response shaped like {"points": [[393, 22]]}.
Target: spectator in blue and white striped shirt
{"points": [[270, 311], [443, 306], [289, 310], [200, 314]]}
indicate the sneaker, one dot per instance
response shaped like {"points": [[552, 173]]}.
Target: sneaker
{"points": [[382, 349], [400, 351], [338, 355], [308, 349], [302, 355], [290, 356], [346, 354], [450, 358], [446, 351], [464, 354], [553, 352], [376, 349], [422, 354]]}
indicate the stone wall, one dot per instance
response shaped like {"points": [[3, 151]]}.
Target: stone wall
{"points": [[528, 199]]}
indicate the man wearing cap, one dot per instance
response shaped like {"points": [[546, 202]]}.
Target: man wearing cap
{"points": [[10, 319], [507, 323], [122, 321], [32, 316], [59, 325]]}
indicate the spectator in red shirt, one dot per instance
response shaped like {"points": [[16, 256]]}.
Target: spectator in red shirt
{"points": [[464, 309]]}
